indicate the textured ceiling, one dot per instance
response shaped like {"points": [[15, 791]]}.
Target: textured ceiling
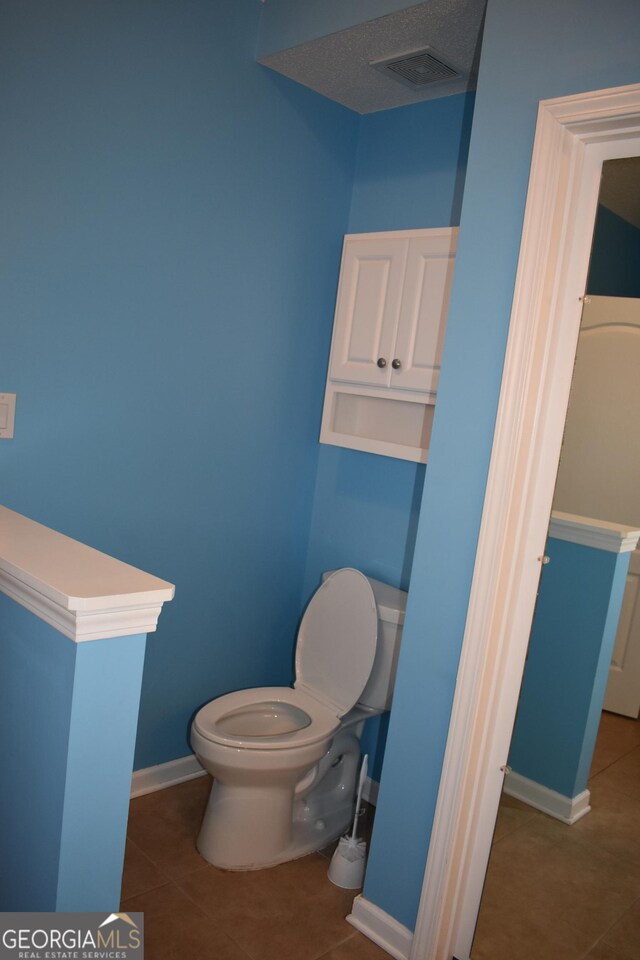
{"points": [[339, 66], [620, 188]]}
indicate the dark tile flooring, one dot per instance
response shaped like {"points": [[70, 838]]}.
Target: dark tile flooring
{"points": [[570, 892], [194, 911], [552, 893]]}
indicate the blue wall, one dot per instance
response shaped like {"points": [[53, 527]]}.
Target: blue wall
{"points": [[411, 166], [365, 507], [580, 53], [102, 735], [171, 232], [615, 258], [68, 723], [572, 640], [409, 174], [34, 736], [172, 218]]}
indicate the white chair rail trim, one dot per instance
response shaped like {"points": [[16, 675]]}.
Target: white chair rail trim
{"points": [[587, 532], [82, 593]]}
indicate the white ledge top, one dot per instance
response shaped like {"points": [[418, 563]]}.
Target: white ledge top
{"points": [[83, 593], [600, 534]]}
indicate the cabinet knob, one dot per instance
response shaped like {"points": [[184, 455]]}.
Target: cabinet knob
{"points": [[396, 364], [382, 362]]}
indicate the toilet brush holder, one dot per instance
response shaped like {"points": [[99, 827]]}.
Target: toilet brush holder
{"points": [[347, 863]]}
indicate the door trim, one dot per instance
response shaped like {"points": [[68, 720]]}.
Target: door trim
{"points": [[574, 135]]}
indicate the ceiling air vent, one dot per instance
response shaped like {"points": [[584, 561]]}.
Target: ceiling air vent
{"points": [[417, 69]]}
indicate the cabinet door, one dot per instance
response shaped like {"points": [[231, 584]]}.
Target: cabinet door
{"points": [[367, 309], [423, 312]]}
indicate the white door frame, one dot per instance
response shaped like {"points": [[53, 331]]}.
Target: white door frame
{"points": [[574, 135]]}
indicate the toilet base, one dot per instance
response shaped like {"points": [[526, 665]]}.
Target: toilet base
{"points": [[246, 828], [249, 825], [307, 836]]}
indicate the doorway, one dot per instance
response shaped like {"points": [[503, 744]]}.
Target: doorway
{"points": [[574, 136], [554, 889]]}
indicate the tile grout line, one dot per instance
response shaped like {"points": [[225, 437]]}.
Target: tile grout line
{"points": [[209, 916], [620, 792], [622, 756], [205, 912], [520, 826], [595, 845], [161, 871], [603, 936], [349, 936], [143, 893]]}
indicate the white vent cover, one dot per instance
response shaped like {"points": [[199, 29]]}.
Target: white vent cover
{"points": [[417, 69]]}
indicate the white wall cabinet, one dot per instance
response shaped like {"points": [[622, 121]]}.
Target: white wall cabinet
{"points": [[389, 325]]}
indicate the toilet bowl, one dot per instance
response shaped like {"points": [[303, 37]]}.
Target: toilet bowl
{"points": [[284, 760]]}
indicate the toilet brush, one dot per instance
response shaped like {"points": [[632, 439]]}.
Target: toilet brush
{"points": [[347, 863]]}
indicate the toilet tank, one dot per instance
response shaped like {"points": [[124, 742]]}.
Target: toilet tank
{"points": [[391, 603]]}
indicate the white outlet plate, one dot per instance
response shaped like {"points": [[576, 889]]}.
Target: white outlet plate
{"points": [[7, 415]]}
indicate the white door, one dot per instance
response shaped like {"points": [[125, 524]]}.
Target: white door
{"points": [[623, 688], [423, 313], [367, 309], [599, 473]]}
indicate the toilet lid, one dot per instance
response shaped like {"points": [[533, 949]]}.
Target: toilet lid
{"points": [[337, 640]]}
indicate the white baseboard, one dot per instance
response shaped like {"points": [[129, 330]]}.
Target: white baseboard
{"points": [[380, 927], [567, 809], [165, 775]]}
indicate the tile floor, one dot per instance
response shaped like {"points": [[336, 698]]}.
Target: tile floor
{"points": [[554, 891], [193, 910]]}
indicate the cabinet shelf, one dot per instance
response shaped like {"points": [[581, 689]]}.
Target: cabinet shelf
{"points": [[392, 426]]}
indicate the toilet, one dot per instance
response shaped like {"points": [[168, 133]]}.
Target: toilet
{"points": [[285, 760]]}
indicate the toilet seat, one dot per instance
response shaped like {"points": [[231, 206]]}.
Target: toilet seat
{"points": [[330, 675], [228, 719]]}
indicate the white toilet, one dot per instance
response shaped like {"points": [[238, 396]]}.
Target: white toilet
{"points": [[285, 760]]}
